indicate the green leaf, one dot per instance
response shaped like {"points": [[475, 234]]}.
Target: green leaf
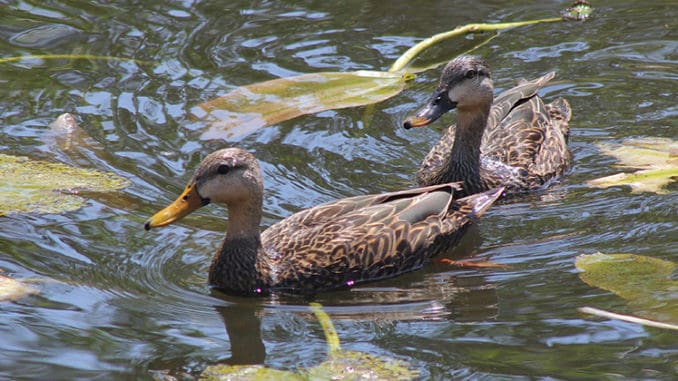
{"points": [[340, 365], [11, 289], [248, 108], [646, 283], [30, 186], [644, 153], [351, 365], [331, 335], [647, 180], [223, 372], [656, 158]]}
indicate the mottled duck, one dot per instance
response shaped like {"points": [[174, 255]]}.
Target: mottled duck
{"points": [[333, 245], [517, 142]]}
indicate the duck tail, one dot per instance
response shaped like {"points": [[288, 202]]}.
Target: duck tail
{"points": [[482, 201]]}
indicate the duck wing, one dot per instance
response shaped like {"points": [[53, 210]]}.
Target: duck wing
{"points": [[368, 237], [330, 211], [530, 135], [554, 157], [517, 124]]}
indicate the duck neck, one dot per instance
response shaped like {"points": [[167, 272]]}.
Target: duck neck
{"points": [[464, 159], [235, 266]]}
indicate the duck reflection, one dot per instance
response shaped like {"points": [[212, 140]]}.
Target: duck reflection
{"points": [[243, 328]]}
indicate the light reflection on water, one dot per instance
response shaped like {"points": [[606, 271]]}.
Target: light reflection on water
{"points": [[116, 301]]}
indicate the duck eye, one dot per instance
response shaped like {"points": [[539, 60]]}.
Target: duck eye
{"points": [[470, 74], [223, 169]]}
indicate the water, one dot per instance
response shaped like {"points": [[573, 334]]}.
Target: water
{"points": [[116, 302]]}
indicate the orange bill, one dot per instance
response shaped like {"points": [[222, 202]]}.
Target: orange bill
{"points": [[415, 121], [187, 202]]}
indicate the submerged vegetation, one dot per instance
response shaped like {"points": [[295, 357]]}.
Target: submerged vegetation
{"points": [[31, 186], [646, 283], [340, 364]]}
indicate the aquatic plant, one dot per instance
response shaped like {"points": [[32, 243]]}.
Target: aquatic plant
{"points": [[646, 283], [656, 158], [340, 364], [34, 186], [247, 108]]}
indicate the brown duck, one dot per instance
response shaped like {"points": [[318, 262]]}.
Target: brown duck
{"points": [[332, 245], [518, 142]]}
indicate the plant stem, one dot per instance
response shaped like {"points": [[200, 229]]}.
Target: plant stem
{"points": [[628, 318], [412, 52], [68, 56], [330, 332]]}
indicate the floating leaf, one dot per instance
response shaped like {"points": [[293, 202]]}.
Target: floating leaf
{"points": [[657, 158], [340, 364], [11, 289], [31, 186], [645, 153], [248, 108], [645, 282], [351, 365], [247, 373], [647, 180]]}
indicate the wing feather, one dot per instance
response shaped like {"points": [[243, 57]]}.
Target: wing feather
{"points": [[371, 240]]}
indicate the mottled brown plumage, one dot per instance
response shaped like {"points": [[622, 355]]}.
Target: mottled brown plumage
{"points": [[518, 142], [333, 245]]}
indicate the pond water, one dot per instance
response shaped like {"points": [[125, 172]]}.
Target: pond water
{"points": [[117, 302]]}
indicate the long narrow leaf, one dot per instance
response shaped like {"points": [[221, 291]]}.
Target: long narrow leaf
{"points": [[248, 108]]}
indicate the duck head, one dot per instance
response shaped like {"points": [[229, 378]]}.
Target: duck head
{"points": [[465, 84], [229, 176]]}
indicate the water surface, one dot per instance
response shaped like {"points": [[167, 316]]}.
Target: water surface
{"points": [[116, 302]]}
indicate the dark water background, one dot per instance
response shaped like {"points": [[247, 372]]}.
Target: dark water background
{"points": [[116, 302]]}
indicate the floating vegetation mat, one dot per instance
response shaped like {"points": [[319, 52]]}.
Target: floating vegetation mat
{"points": [[31, 186]]}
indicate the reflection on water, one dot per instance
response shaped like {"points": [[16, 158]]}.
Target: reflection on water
{"points": [[116, 302]]}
